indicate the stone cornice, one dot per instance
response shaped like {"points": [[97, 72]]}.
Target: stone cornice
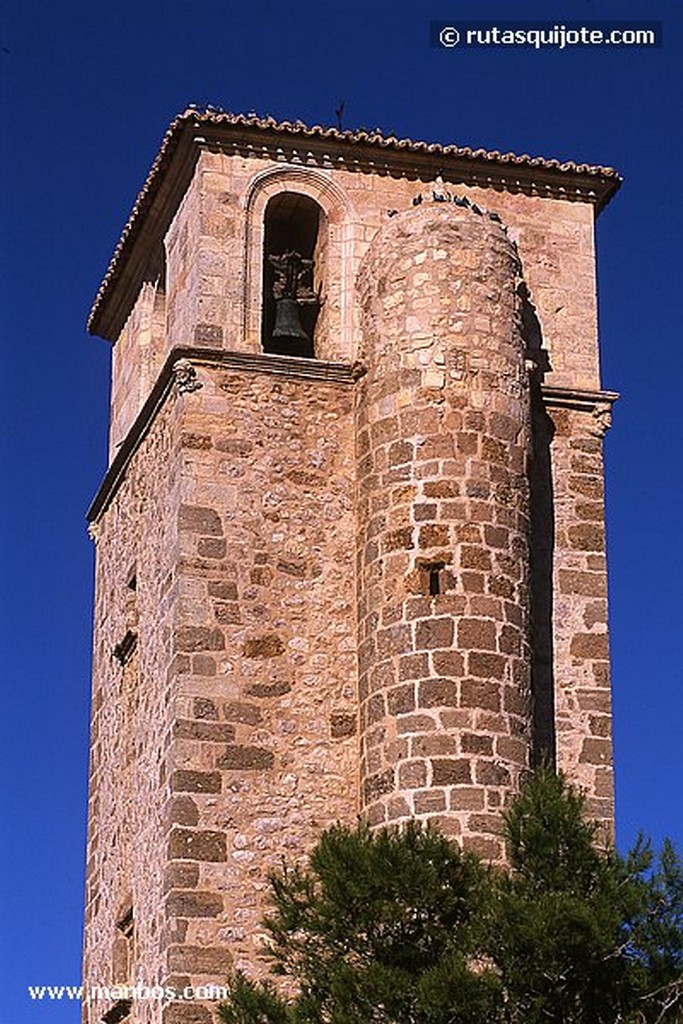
{"points": [[598, 404], [582, 399], [179, 374], [293, 143]]}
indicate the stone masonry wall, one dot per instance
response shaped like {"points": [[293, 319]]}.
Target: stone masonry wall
{"points": [[443, 443], [264, 750], [229, 736], [137, 359], [131, 721], [581, 641]]}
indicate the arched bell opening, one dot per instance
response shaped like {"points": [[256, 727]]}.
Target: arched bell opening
{"points": [[293, 257]]}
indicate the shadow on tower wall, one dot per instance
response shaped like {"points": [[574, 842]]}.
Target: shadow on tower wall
{"points": [[542, 543]]}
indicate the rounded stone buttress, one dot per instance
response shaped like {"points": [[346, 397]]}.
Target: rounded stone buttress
{"points": [[443, 441]]}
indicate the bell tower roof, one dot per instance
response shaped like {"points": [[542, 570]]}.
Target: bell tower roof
{"points": [[294, 142]]}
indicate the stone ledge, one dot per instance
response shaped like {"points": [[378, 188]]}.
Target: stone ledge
{"points": [[581, 399]]}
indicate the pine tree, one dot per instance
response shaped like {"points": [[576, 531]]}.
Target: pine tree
{"points": [[403, 927]]}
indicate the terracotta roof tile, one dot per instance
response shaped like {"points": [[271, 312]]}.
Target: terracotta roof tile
{"points": [[376, 138]]}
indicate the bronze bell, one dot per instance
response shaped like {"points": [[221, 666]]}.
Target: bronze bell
{"points": [[287, 322]]}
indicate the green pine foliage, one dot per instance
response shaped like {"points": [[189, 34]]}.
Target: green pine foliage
{"points": [[403, 927]]}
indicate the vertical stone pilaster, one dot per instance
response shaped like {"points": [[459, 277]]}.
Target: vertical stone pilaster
{"points": [[581, 642]]}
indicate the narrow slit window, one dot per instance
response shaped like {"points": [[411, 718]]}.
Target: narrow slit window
{"points": [[124, 650], [122, 961], [433, 582], [118, 1012], [126, 924]]}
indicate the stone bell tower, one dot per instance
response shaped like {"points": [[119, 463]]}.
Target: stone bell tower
{"points": [[350, 543]]}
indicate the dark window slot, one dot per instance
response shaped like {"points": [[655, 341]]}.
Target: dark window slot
{"points": [[124, 650]]}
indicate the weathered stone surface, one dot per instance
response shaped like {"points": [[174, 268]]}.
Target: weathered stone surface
{"points": [[193, 904], [267, 646], [199, 638], [587, 537], [215, 732], [487, 666], [181, 875], [214, 960], [401, 699], [241, 711], [434, 633], [487, 849], [202, 442], [377, 785], [479, 693], [246, 758], [203, 665], [224, 590], [477, 634], [197, 845], [182, 810], [196, 782], [208, 336], [267, 689], [343, 723], [205, 521], [451, 772], [204, 708], [434, 693], [595, 751], [473, 744], [448, 663], [488, 774], [590, 645], [431, 801], [466, 798], [211, 547], [186, 1013], [434, 535]]}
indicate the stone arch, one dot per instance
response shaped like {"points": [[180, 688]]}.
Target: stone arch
{"points": [[335, 341]]}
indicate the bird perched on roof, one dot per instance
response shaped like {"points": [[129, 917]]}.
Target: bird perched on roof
{"points": [[440, 194]]}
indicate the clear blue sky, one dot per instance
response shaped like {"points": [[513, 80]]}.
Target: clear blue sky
{"points": [[88, 91]]}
